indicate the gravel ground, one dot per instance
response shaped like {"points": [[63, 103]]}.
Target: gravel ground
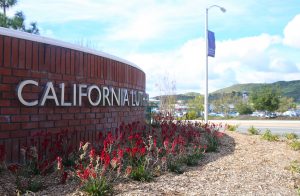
{"points": [[245, 165]]}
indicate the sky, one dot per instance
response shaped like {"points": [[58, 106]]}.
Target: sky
{"points": [[256, 41]]}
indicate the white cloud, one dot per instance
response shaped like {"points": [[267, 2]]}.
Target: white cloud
{"points": [[292, 32], [244, 60], [283, 65], [126, 20], [134, 22]]}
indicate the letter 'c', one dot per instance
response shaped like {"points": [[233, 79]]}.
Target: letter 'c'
{"points": [[20, 89]]}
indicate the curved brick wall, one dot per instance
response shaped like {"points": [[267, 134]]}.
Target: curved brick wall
{"points": [[24, 56]]}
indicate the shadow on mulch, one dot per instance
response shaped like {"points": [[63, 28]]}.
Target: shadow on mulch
{"points": [[227, 147]]}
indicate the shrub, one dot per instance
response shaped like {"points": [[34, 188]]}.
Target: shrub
{"points": [[253, 131], [97, 187], [232, 127], [192, 159], [28, 184], [212, 143], [191, 115], [291, 136], [140, 173], [244, 108], [269, 136], [294, 167], [175, 167], [295, 145]]}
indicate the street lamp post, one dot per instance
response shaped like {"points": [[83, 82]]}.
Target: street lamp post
{"points": [[206, 61]]}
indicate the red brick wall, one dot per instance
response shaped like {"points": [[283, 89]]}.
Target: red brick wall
{"points": [[24, 59]]}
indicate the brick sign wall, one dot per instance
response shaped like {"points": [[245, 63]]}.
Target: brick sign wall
{"points": [[26, 57]]}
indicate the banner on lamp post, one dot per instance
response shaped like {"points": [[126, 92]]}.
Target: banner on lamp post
{"points": [[211, 43]]}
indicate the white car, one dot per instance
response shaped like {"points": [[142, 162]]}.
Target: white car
{"points": [[258, 114], [289, 113]]}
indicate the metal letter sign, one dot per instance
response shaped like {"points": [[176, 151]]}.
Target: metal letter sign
{"points": [[95, 95]]}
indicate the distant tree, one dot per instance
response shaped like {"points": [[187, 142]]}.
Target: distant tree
{"points": [[224, 102], [16, 22], [33, 28], [266, 99], [196, 104], [5, 4], [167, 96], [286, 103], [191, 115], [3, 21], [243, 108]]}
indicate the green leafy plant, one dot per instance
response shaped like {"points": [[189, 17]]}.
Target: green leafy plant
{"points": [[291, 136], [232, 127], [295, 145], [175, 167], [269, 136], [28, 184], [97, 187], [253, 131], [212, 143], [192, 159], [294, 167], [140, 173]]}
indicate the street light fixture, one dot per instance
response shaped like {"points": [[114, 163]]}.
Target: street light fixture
{"points": [[206, 58]]}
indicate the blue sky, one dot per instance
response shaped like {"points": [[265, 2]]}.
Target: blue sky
{"points": [[257, 41]]}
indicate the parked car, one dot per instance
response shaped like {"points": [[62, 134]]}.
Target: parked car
{"points": [[290, 113], [258, 114], [212, 114], [220, 115], [270, 115], [233, 114]]}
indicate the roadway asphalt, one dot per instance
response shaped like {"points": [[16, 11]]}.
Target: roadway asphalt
{"points": [[276, 126]]}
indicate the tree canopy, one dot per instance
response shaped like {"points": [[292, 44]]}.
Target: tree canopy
{"points": [[16, 22], [266, 99], [197, 104], [243, 108], [286, 103]]}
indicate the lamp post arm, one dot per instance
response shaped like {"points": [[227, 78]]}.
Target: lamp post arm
{"points": [[221, 8]]}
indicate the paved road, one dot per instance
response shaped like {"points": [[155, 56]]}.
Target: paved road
{"points": [[276, 126]]}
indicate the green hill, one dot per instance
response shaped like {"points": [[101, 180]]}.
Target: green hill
{"points": [[288, 88], [183, 97]]}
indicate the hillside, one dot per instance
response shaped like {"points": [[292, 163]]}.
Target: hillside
{"points": [[288, 88], [183, 97]]}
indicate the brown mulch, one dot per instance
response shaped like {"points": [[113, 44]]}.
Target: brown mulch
{"points": [[245, 165]]}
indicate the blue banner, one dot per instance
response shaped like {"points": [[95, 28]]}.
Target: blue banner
{"points": [[211, 43]]}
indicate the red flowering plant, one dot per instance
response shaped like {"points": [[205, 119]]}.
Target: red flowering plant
{"points": [[62, 173], [61, 145], [137, 161], [212, 135], [134, 150], [183, 143], [38, 156], [2, 157], [98, 167]]}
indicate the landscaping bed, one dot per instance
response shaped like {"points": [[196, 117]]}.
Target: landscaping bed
{"points": [[242, 165]]}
